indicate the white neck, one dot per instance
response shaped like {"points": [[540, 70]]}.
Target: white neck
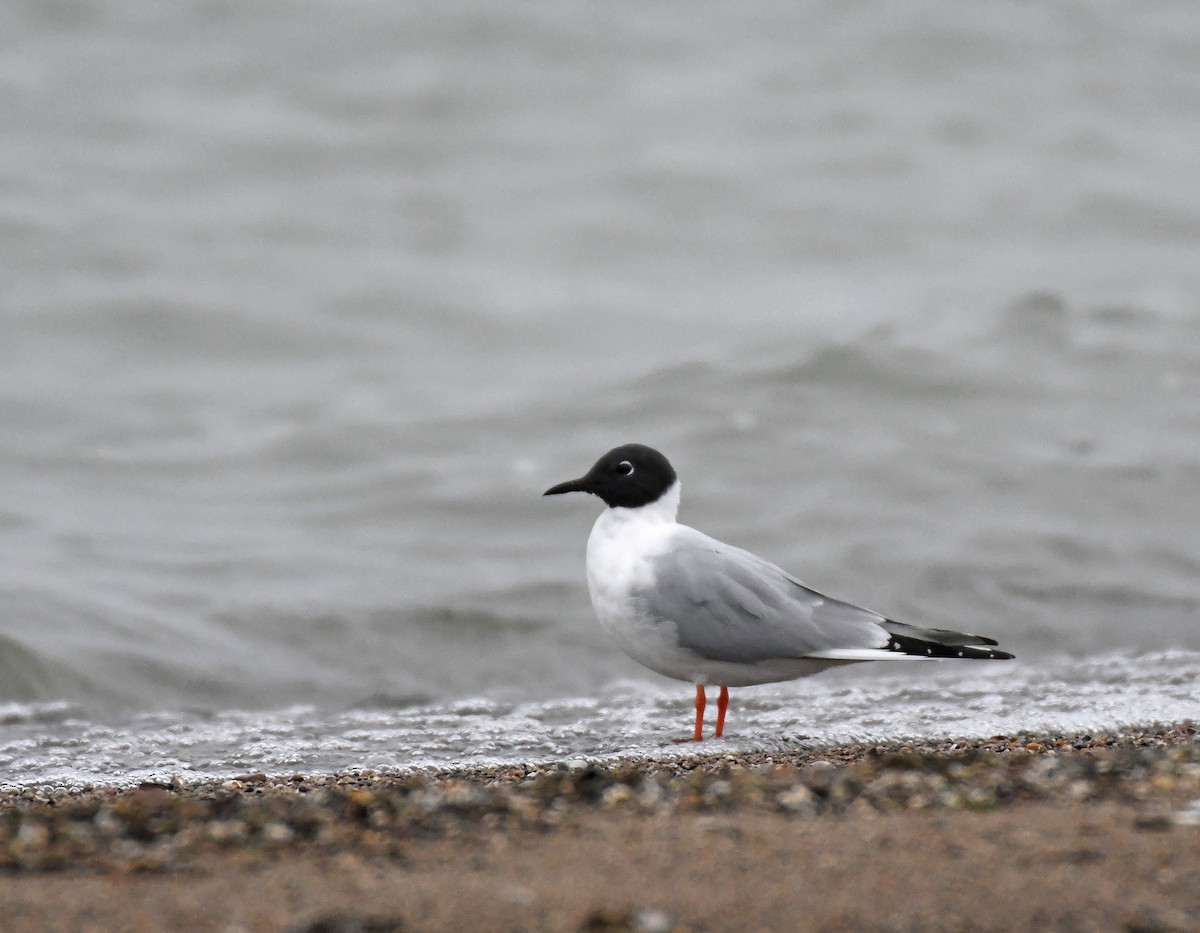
{"points": [[625, 525], [663, 509]]}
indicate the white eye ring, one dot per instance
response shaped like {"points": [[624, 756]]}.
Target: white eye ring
{"points": [[625, 468]]}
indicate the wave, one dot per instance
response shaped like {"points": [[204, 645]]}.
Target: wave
{"points": [[51, 711], [24, 674], [627, 720]]}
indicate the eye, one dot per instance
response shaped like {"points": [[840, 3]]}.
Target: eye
{"points": [[625, 468]]}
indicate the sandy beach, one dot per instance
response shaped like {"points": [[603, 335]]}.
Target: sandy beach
{"points": [[1097, 832]]}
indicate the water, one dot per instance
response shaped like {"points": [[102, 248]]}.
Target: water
{"points": [[303, 307]]}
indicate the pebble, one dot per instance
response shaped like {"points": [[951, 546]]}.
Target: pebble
{"points": [[798, 799], [1188, 815]]}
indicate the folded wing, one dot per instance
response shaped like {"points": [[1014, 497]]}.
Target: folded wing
{"points": [[730, 605]]}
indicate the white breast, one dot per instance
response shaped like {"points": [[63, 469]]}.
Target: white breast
{"points": [[620, 554]]}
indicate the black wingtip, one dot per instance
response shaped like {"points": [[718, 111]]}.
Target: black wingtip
{"points": [[903, 634], [916, 647]]}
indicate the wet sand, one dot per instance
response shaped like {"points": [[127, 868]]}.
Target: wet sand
{"points": [[1019, 832]]}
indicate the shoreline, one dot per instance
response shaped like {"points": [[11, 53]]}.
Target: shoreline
{"points": [[50, 828], [74, 853]]}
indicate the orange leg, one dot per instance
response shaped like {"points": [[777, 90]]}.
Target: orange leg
{"points": [[700, 701], [722, 705]]}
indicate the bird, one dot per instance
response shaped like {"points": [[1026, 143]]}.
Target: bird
{"points": [[695, 609]]}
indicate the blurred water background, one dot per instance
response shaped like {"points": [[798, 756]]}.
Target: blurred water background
{"points": [[303, 306]]}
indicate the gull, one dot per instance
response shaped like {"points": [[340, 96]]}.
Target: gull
{"points": [[693, 608]]}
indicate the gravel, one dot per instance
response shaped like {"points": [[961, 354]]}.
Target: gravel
{"points": [[163, 828]]}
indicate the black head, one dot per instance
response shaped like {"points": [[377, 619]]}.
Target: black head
{"points": [[626, 476]]}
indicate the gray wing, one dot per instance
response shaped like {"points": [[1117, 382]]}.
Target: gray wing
{"points": [[729, 605]]}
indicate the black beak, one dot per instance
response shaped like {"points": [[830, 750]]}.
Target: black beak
{"points": [[571, 485]]}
